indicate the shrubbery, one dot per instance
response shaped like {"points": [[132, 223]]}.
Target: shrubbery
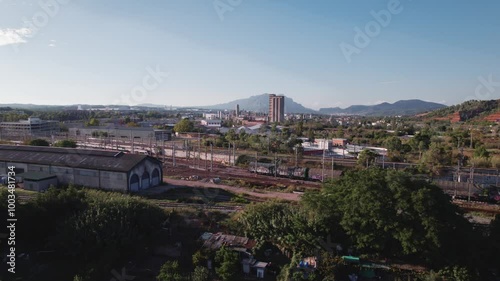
{"points": [[91, 230]]}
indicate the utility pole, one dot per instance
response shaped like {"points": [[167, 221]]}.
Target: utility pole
{"points": [[471, 137], [333, 164], [173, 155], [199, 149], [234, 153], [323, 167], [296, 155], [206, 158], [211, 157], [471, 180], [268, 144], [133, 151], [150, 145], [275, 164], [194, 156], [498, 176], [459, 163], [163, 152], [256, 160]]}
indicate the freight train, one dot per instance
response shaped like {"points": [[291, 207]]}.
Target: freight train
{"points": [[281, 171]]}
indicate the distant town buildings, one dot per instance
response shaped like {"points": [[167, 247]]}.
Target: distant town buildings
{"points": [[237, 113], [32, 127], [276, 108]]}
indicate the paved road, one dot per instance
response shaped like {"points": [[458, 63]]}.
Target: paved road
{"points": [[173, 183]]}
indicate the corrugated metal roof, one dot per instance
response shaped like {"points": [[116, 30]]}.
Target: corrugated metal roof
{"points": [[217, 240], [71, 157]]}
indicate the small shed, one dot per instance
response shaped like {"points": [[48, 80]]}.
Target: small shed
{"points": [[254, 267], [38, 181]]}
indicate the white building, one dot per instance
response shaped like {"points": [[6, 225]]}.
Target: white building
{"points": [[31, 127], [212, 123], [211, 116]]}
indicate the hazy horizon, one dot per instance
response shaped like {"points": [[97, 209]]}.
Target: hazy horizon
{"points": [[185, 106]]}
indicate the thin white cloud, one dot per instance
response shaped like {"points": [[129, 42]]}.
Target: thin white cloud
{"points": [[10, 36]]}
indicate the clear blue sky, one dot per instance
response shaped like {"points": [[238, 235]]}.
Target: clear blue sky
{"points": [[99, 52]]}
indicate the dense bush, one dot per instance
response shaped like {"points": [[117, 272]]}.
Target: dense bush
{"points": [[89, 229]]}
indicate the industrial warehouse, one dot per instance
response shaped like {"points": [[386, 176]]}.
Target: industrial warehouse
{"points": [[109, 170]]}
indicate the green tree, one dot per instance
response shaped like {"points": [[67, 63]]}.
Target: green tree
{"points": [[170, 271], [299, 128], [493, 243], [231, 135], [201, 274], [310, 134], [366, 158], [66, 143], [284, 225], [228, 264], [78, 278], [387, 212], [436, 158], [132, 124], [39, 142], [183, 126], [481, 152], [393, 144], [456, 273], [199, 258], [93, 122]]}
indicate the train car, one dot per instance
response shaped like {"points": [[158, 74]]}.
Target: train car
{"points": [[281, 171], [284, 171], [261, 168], [300, 173], [315, 174]]}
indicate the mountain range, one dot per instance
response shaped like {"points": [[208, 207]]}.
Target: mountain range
{"points": [[404, 107], [260, 103]]}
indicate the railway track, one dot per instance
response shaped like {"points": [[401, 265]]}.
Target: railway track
{"points": [[202, 206]]}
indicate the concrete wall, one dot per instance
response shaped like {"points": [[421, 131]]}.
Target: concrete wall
{"points": [[19, 166], [65, 175], [116, 181], [86, 177], [38, 168], [39, 185]]}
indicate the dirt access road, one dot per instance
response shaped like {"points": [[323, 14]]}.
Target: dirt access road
{"points": [[174, 183]]}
